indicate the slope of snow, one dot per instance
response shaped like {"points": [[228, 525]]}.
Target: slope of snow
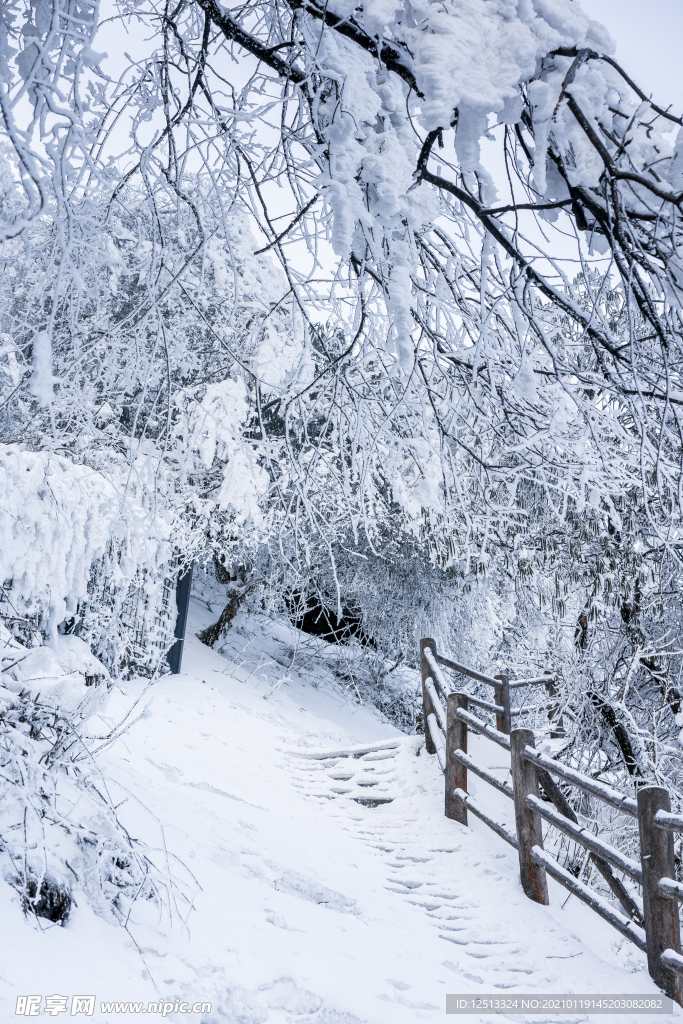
{"points": [[328, 890]]}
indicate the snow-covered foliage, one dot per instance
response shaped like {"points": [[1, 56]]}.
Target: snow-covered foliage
{"points": [[59, 522], [79, 553], [450, 372], [55, 519], [58, 825], [434, 286]]}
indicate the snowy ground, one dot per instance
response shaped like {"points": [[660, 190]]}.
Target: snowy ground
{"points": [[298, 895]]}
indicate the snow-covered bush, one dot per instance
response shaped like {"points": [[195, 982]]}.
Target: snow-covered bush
{"points": [[56, 519], [75, 552], [58, 826], [78, 553]]}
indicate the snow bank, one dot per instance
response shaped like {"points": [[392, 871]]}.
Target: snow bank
{"points": [[59, 677]]}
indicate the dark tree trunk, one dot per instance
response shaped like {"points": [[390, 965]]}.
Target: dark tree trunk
{"points": [[210, 635], [620, 734]]}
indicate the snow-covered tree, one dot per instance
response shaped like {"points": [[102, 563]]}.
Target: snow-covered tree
{"points": [[413, 174], [359, 141]]}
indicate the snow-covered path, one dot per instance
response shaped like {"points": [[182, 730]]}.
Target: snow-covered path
{"points": [[465, 881], [297, 895]]}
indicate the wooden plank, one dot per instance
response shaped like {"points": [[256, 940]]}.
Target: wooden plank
{"points": [[437, 675], [673, 960], [476, 725], [665, 819], [616, 885], [438, 741], [599, 789], [471, 672], [487, 705], [443, 688], [498, 784], [456, 743], [594, 901], [662, 925], [514, 683], [427, 706], [671, 889], [527, 818], [558, 798], [436, 704], [498, 697], [495, 826], [581, 835], [465, 670], [443, 693], [504, 718]]}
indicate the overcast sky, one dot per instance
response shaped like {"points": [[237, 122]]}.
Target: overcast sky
{"points": [[649, 34]]}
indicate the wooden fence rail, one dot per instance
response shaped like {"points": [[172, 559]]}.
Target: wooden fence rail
{"points": [[654, 928]]}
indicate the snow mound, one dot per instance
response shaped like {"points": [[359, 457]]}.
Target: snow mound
{"points": [[60, 678]]}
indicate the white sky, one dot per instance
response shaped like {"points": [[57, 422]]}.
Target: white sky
{"points": [[648, 34]]}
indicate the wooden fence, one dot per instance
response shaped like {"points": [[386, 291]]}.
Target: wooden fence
{"points": [[653, 927]]}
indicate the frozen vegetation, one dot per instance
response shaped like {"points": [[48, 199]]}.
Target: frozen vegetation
{"points": [[371, 314]]}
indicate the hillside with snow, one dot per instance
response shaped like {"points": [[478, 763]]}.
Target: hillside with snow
{"points": [[310, 873]]}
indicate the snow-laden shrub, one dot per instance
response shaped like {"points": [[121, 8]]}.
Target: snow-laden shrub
{"points": [[58, 828], [55, 520], [78, 552], [78, 548], [394, 690], [128, 619]]}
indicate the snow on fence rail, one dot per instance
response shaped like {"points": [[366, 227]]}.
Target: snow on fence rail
{"points": [[654, 927]]}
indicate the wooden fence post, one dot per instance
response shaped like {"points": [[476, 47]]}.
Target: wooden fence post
{"points": [[456, 773], [662, 927], [427, 706], [502, 698], [528, 821]]}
